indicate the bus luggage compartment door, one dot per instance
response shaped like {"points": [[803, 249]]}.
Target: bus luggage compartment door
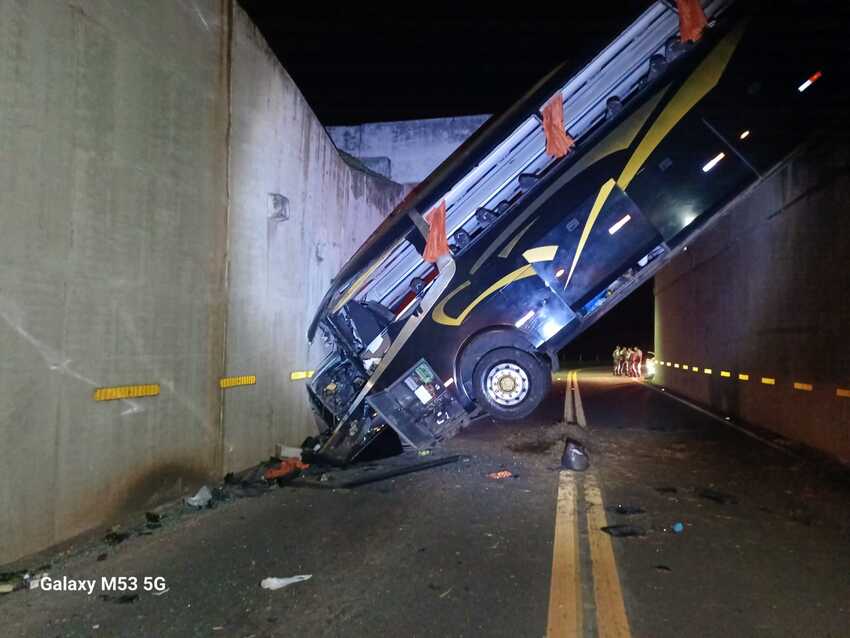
{"points": [[603, 237]]}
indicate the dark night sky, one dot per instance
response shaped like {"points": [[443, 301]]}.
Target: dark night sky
{"points": [[359, 65]]}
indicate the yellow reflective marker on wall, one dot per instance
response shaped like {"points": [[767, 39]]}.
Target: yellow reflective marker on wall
{"points": [[707, 370], [843, 392], [805, 387], [695, 368], [768, 380], [743, 377], [300, 374], [231, 382], [126, 392], [675, 365], [725, 373]]}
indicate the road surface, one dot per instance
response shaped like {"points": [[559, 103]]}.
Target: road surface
{"points": [[451, 552]]}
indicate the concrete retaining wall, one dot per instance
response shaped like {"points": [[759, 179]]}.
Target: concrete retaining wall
{"points": [[281, 264], [764, 293], [406, 151], [123, 162]]}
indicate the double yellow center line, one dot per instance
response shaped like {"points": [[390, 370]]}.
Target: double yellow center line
{"points": [[565, 591], [573, 408]]}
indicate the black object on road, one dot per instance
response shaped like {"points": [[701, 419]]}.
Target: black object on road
{"points": [[575, 456], [114, 538], [399, 471], [626, 510], [623, 531], [717, 497], [123, 599]]}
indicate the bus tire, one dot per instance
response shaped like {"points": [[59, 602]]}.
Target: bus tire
{"points": [[510, 383]]}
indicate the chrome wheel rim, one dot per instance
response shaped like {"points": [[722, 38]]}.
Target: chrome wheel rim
{"points": [[507, 384]]}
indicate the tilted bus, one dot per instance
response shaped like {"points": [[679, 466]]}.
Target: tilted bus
{"points": [[665, 134]]}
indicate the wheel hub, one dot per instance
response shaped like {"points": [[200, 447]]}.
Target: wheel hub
{"points": [[507, 384]]}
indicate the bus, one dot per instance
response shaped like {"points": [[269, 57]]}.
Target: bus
{"points": [[665, 134]]}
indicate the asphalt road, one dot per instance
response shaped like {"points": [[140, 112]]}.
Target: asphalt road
{"points": [[451, 552]]}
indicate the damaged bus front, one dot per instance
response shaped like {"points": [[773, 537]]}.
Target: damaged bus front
{"points": [[541, 247]]}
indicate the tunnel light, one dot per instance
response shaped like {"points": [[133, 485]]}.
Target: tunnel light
{"points": [[560, 272], [619, 224], [814, 77], [524, 319], [744, 135], [448, 382], [713, 162]]}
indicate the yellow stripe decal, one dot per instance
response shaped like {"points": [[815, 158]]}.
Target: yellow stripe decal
{"points": [[601, 197], [439, 315], [805, 387], [126, 392], [300, 374], [618, 140], [232, 382], [512, 243], [541, 253], [702, 80]]}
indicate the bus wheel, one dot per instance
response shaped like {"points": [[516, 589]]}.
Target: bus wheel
{"points": [[510, 383]]}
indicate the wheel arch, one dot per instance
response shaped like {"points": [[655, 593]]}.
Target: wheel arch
{"points": [[482, 342]]}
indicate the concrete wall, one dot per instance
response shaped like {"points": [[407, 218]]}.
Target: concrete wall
{"points": [[764, 292], [115, 154], [281, 267], [406, 151]]}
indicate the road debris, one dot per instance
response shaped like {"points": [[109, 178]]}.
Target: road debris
{"points": [[626, 510], [123, 599], [677, 527], [373, 477], [279, 583], [575, 457], [201, 499], [717, 497], [623, 531], [500, 475], [115, 537], [662, 568], [284, 471]]}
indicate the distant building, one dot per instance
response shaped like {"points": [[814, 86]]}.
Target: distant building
{"points": [[405, 152]]}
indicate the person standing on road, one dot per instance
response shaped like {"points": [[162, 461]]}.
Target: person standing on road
{"points": [[616, 361], [623, 361], [637, 358]]}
